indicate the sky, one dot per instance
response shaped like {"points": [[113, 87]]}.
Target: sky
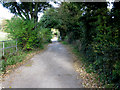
{"points": [[5, 13]]}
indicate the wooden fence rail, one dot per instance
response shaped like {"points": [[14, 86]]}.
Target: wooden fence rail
{"points": [[2, 50]]}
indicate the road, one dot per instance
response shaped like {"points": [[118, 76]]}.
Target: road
{"points": [[53, 68]]}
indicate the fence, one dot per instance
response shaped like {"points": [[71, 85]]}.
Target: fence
{"points": [[5, 45]]}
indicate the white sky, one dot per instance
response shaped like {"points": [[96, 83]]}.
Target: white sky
{"points": [[5, 13]]}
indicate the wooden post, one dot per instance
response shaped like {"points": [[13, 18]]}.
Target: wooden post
{"points": [[3, 48]]}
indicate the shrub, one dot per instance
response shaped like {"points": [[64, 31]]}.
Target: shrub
{"points": [[25, 31], [45, 35]]}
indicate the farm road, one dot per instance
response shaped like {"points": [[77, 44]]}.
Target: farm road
{"points": [[52, 68]]}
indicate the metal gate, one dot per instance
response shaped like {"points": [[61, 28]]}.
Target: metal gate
{"points": [[9, 47]]}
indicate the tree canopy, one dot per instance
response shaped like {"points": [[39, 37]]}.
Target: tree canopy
{"points": [[27, 10], [91, 28], [95, 31]]}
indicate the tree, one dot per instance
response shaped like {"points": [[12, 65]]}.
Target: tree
{"points": [[62, 18], [99, 38], [22, 28], [49, 19], [116, 17], [26, 10]]}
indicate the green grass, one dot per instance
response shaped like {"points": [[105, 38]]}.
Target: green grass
{"points": [[65, 43], [12, 60], [8, 50]]}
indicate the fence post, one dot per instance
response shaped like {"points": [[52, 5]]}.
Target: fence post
{"points": [[16, 45], [3, 47]]}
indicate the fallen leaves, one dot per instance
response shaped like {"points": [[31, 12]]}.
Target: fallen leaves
{"points": [[89, 79]]}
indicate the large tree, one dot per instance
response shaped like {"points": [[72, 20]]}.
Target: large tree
{"points": [[26, 10]]}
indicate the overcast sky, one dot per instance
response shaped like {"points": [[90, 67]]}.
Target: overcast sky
{"points": [[5, 13]]}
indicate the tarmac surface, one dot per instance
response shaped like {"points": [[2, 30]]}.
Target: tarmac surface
{"points": [[53, 68]]}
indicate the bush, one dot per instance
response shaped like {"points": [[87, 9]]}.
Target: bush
{"points": [[45, 35], [25, 31]]}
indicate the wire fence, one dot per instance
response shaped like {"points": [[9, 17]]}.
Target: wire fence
{"points": [[8, 47]]}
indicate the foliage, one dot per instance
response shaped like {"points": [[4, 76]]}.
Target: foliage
{"points": [[95, 32], [27, 35], [12, 59], [7, 44], [45, 35], [26, 10], [24, 32], [90, 27], [25, 29], [48, 20]]}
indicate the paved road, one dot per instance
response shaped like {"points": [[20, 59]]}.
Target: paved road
{"points": [[52, 68]]}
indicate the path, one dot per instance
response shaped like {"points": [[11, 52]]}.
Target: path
{"points": [[51, 69]]}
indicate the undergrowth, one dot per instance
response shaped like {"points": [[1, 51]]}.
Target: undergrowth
{"points": [[85, 65], [20, 57]]}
